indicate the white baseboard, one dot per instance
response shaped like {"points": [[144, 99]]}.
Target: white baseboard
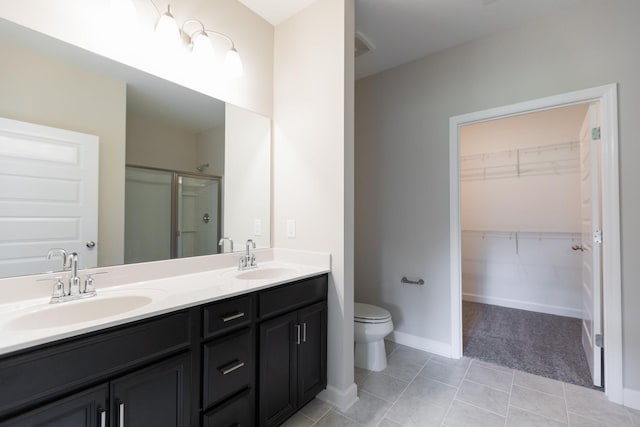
{"points": [[631, 398], [342, 399], [524, 305], [436, 347]]}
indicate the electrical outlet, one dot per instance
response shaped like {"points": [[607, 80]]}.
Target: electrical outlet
{"points": [[291, 228], [257, 227]]}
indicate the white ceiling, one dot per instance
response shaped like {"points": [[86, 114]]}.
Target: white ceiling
{"points": [[405, 30], [276, 11]]}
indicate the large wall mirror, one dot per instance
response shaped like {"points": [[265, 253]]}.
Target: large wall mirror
{"points": [[178, 170]]}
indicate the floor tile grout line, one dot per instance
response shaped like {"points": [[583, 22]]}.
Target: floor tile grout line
{"points": [[542, 392], [486, 365], [488, 386], [566, 403], [405, 389], [541, 415], [455, 395], [513, 379]]}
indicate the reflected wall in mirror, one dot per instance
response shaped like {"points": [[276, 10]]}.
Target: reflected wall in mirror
{"points": [[146, 122]]}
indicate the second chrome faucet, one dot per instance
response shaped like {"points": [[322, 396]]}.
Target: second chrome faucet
{"points": [[248, 260]]}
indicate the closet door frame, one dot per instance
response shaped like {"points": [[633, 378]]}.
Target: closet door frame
{"points": [[611, 266]]}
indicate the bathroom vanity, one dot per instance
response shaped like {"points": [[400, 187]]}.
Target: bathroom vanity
{"points": [[253, 358]]}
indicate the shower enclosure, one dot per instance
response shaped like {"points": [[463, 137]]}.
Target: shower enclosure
{"points": [[170, 214]]}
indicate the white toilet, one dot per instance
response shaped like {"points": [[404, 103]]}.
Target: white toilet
{"points": [[371, 325]]}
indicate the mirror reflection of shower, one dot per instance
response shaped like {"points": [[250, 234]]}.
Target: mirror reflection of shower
{"points": [[164, 212]]}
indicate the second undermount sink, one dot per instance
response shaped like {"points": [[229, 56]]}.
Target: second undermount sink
{"points": [[71, 313], [265, 273]]}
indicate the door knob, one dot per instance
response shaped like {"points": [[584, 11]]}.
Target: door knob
{"points": [[91, 244], [577, 248]]}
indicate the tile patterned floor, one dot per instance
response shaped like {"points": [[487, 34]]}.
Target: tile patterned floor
{"points": [[419, 389]]}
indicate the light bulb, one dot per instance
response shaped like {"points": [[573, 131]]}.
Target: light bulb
{"points": [[167, 29], [233, 63], [201, 46]]}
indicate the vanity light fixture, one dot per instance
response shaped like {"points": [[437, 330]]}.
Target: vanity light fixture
{"points": [[167, 28], [199, 42]]}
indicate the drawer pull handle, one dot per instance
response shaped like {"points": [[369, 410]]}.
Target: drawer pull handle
{"points": [[298, 334], [304, 332], [121, 414], [231, 367], [103, 417], [231, 317]]}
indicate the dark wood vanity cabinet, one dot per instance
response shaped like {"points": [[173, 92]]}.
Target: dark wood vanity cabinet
{"points": [[154, 396], [158, 395], [87, 408], [212, 365], [293, 357]]}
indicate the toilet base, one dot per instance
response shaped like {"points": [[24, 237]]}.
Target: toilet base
{"points": [[371, 356]]}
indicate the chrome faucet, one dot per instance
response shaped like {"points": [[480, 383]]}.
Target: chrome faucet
{"points": [[248, 260], [221, 243], [70, 262], [248, 247]]}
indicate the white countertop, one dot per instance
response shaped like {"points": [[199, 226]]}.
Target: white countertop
{"points": [[159, 294]]}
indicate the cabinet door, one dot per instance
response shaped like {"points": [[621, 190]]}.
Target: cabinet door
{"points": [[278, 339], [312, 352], [156, 396], [84, 409]]}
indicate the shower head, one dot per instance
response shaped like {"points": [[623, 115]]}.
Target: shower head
{"points": [[202, 166]]}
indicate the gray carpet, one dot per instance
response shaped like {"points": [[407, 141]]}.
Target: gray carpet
{"points": [[541, 344]]}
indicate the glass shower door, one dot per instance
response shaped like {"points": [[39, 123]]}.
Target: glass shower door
{"points": [[198, 217], [147, 220]]}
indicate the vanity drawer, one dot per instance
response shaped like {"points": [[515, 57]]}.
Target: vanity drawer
{"points": [[293, 296], [236, 412], [226, 315], [228, 366]]}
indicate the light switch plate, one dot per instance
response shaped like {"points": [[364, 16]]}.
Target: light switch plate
{"points": [[291, 228], [257, 227]]}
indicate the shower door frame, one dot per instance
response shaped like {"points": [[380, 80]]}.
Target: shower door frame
{"points": [[174, 206], [173, 250], [607, 95]]}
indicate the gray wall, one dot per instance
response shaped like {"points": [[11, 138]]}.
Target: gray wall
{"points": [[402, 158]]}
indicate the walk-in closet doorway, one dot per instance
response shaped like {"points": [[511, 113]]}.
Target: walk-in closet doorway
{"points": [[527, 219], [515, 218]]}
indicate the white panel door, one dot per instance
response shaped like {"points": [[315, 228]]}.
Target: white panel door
{"points": [[591, 261], [48, 197]]}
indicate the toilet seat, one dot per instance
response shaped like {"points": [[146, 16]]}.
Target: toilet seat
{"points": [[367, 313]]}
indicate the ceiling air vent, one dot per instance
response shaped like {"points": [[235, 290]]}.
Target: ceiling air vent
{"points": [[363, 44]]}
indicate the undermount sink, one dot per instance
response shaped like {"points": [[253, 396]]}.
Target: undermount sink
{"points": [[70, 313], [265, 273]]}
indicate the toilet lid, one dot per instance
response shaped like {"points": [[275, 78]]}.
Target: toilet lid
{"points": [[368, 312]]}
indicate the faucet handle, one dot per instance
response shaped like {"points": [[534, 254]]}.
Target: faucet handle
{"points": [[58, 288], [88, 282]]}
